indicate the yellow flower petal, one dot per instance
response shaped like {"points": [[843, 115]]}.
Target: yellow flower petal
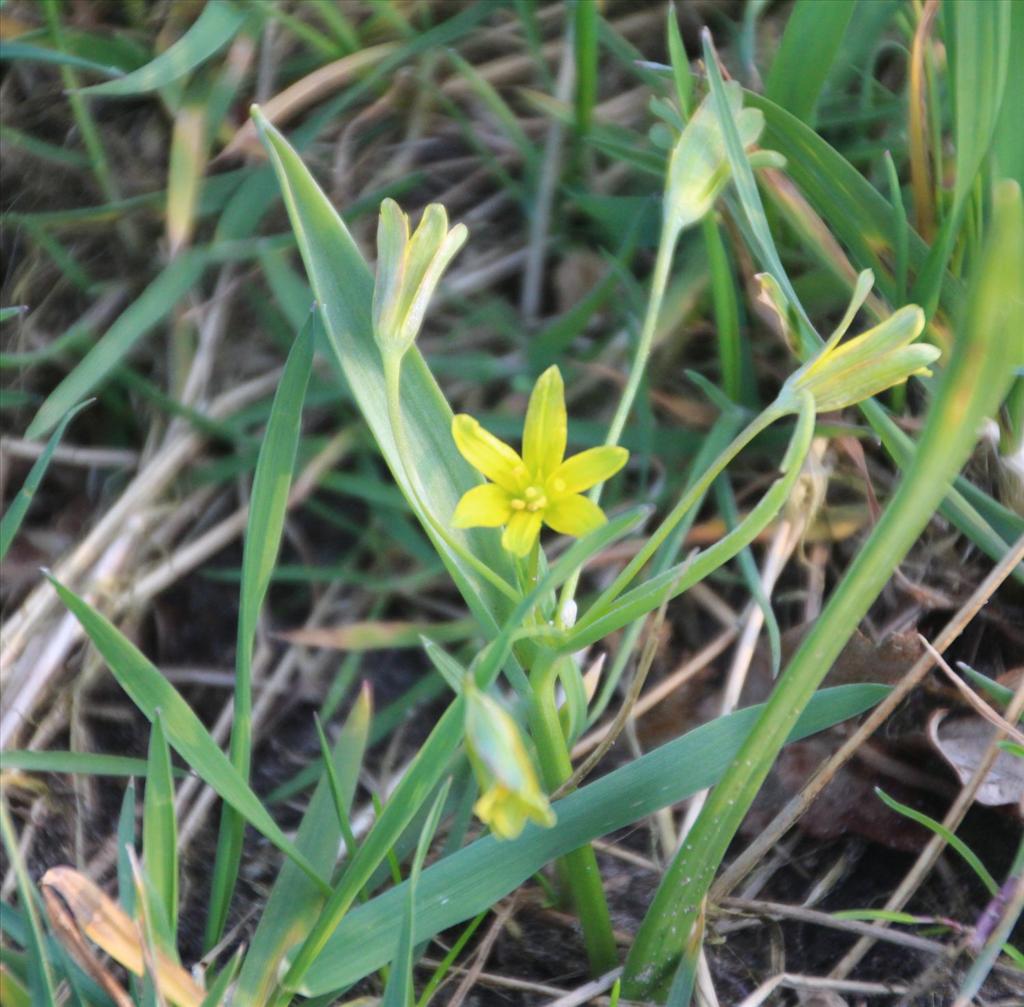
{"points": [[484, 506], [574, 515], [494, 458], [521, 532], [586, 469], [544, 434]]}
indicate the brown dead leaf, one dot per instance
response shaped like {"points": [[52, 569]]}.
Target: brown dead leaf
{"points": [[963, 742], [91, 912]]}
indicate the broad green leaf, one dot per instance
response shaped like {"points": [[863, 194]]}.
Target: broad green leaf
{"points": [[267, 507], [152, 305], [343, 286], [15, 513], [150, 691], [213, 29], [811, 44], [294, 901], [475, 878]]}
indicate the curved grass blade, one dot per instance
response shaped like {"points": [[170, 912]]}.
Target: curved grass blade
{"points": [[15, 514], [460, 886], [84, 763], [150, 691], [212, 30], [26, 52], [269, 502]]}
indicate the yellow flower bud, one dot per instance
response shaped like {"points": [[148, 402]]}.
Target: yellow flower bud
{"points": [[408, 271], [842, 374], [510, 791]]}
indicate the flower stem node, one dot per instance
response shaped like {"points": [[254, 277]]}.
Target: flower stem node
{"points": [[510, 791], [843, 374], [539, 487], [408, 271]]}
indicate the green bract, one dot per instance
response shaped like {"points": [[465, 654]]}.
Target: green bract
{"points": [[408, 271]]}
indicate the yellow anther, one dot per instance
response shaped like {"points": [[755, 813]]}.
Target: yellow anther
{"points": [[517, 504]]}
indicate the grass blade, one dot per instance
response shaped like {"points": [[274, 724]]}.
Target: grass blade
{"points": [[213, 29], [150, 691], [972, 387], [159, 826], [294, 902], [399, 991], [15, 514], [269, 502], [810, 45], [40, 976]]}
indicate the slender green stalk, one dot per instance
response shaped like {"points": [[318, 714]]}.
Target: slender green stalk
{"points": [[393, 384], [579, 869]]}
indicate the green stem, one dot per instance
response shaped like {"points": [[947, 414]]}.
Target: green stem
{"points": [[579, 868], [392, 381], [659, 281]]}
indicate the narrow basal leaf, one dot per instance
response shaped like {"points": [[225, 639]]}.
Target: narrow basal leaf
{"points": [[476, 877]]}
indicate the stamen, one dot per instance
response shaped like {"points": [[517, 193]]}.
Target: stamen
{"points": [[517, 504]]}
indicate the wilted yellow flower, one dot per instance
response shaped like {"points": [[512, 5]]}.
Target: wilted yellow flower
{"points": [[510, 791], [408, 271], [541, 487], [699, 167], [841, 375]]}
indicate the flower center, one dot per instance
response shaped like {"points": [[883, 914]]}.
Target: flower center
{"points": [[533, 500]]}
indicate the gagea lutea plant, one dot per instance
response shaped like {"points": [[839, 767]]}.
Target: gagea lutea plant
{"points": [[516, 527]]}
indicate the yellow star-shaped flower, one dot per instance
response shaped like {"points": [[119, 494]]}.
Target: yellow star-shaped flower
{"points": [[542, 486]]}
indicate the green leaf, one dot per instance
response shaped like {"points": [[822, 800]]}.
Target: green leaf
{"points": [[84, 763], [41, 982], [810, 46], [28, 53], [294, 901], [153, 304], [15, 514], [947, 837], [400, 991], [343, 286], [150, 691], [267, 507], [213, 29], [475, 878], [159, 826]]}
